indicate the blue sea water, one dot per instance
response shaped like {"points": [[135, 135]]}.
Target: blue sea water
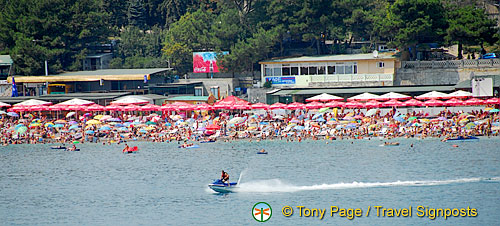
{"points": [[165, 185]]}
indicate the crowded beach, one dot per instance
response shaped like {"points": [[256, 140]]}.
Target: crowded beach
{"points": [[323, 117]]}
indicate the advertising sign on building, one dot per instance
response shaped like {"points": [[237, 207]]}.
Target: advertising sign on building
{"points": [[281, 80], [205, 62], [482, 87]]}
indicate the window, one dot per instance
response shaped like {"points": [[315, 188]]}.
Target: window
{"points": [[295, 71], [313, 70], [215, 91], [321, 70], [285, 71], [355, 69], [348, 69], [331, 70], [276, 71], [339, 69], [304, 71], [198, 91], [269, 72], [380, 64]]}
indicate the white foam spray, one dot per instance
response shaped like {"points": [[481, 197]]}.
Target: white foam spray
{"points": [[276, 185]]}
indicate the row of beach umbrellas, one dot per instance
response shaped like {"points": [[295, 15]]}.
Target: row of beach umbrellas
{"points": [[459, 94], [365, 100]]}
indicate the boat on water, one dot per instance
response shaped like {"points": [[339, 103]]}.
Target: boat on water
{"points": [[219, 186], [461, 138], [192, 146]]}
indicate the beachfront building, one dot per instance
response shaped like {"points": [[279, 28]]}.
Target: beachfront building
{"points": [[111, 80], [353, 70]]}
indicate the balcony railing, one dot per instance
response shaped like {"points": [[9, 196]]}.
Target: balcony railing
{"points": [[478, 63]]}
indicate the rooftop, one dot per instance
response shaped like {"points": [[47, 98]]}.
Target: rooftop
{"points": [[91, 76], [326, 58], [5, 60], [188, 98], [64, 97]]}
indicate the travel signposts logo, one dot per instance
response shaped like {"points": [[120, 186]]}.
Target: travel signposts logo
{"points": [[262, 212]]}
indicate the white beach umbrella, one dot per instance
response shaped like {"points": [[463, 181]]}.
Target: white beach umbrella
{"points": [[460, 94], [394, 96], [2, 104], [130, 100], [363, 97], [324, 97], [432, 95], [76, 101], [32, 102]]}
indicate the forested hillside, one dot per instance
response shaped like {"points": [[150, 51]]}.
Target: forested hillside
{"points": [[148, 33]]}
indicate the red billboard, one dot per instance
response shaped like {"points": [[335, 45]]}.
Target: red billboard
{"points": [[205, 62]]}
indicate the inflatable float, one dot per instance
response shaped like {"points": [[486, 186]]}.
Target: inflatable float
{"points": [[131, 150]]}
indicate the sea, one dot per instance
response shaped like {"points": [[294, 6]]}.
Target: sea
{"points": [[342, 182]]}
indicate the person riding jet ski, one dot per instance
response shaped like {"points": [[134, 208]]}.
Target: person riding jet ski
{"points": [[224, 177]]}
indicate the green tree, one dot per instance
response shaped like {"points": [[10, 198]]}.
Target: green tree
{"points": [[138, 48], [173, 10], [58, 31], [409, 22], [192, 33], [136, 13], [117, 11], [245, 53], [469, 26]]}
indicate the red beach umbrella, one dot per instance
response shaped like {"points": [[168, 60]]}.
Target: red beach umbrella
{"points": [[433, 103], [240, 106], [277, 106], [492, 101], [112, 108], [295, 106], [130, 107], [473, 101], [335, 104], [260, 106], [55, 108], [354, 104], [413, 102], [75, 107], [454, 102], [149, 107], [373, 104], [393, 103], [204, 107], [38, 108], [95, 107], [167, 107], [314, 105]]}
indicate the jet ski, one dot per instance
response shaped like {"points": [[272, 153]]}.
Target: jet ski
{"points": [[220, 187], [57, 147], [461, 138]]}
